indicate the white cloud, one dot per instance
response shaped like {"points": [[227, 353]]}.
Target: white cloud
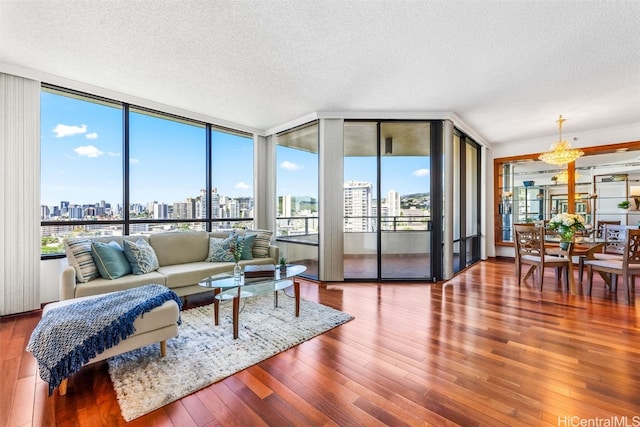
{"points": [[290, 166], [112, 154], [66, 130], [133, 160], [88, 151], [421, 172], [93, 135], [241, 186]]}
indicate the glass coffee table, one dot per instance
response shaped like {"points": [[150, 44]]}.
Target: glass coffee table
{"points": [[226, 287]]}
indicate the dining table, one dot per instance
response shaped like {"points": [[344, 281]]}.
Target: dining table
{"points": [[583, 248]]}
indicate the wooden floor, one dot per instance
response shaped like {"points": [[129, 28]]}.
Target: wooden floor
{"points": [[477, 351]]}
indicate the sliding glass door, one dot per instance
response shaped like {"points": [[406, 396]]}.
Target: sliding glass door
{"points": [[466, 202], [405, 205], [387, 213]]}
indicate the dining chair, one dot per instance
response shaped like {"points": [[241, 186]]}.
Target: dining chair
{"points": [[601, 225], [627, 267], [614, 241], [530, 250]]}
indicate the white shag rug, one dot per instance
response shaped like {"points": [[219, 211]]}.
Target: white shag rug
{"points": [[203, 353]]}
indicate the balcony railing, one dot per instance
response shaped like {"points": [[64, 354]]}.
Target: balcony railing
{"points": [[291, 226]]}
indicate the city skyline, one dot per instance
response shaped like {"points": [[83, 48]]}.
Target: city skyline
{"points": [[138, 207]]}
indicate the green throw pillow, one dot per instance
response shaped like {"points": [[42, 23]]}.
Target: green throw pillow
{"points": [[247, 245], [110, 259], [141, 256]]}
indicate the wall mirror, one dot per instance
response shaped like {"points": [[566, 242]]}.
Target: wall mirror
{"points": [[527, 189]]}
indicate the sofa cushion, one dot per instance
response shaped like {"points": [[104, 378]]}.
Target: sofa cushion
{"points": [[78, 252], [262, 242], [190, 274], [220, 249], [180, 247], [110, 259], [177, 276], [141, 256]]}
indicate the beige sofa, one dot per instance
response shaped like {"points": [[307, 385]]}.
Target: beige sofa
{"points": [[182, 264]]}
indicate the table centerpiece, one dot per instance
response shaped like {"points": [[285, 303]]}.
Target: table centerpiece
{"points": [[566, 225]]}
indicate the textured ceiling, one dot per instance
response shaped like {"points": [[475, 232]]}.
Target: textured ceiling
{"points": [[507, 69]]}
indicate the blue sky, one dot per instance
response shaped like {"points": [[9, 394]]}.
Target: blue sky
{"points": [[407, 175], [82, 159]]}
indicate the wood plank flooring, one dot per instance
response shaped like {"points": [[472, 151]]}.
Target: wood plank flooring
{"points": [[475, 351]]}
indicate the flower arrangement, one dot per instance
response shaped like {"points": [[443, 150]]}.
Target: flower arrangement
{"points": [[566, 225], [235, 248]]}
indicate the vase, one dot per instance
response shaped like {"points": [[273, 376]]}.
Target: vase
{"points": [[237, 273], [564, 245]]}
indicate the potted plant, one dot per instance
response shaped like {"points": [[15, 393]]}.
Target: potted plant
{"points": [[624, 204], [283, 264]]}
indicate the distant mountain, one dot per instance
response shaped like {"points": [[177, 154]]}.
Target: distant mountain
{"points": [[414, 195]]}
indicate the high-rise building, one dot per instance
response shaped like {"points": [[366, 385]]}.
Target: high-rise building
{"points": [[215, 204], [286, 206], [357, 206], [64, 208], [44, 212], [160, 211], [180, 210], [75, 212], [393, 203]]}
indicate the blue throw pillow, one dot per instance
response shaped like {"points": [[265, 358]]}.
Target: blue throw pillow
{"points": [[110, 259], [141, 256]]}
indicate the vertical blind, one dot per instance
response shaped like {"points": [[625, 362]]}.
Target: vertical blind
{"points": [[19, 194]]}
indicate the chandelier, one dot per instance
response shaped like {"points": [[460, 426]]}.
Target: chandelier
{"points": [[561, 151]]}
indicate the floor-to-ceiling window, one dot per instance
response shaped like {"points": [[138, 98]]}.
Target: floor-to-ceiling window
{"points": [[466, 202], [387, 210], [111, 168], [232, 179], [167, 171], [297, 196], [81, 167]]}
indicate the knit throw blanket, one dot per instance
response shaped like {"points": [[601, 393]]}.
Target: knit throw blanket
{"points": [[67, 337]]}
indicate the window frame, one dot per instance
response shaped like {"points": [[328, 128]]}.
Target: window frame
{"points": [[125, 222]]}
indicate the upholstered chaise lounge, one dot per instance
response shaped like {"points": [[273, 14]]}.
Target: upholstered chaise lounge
{"points": [[80, 331]]}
